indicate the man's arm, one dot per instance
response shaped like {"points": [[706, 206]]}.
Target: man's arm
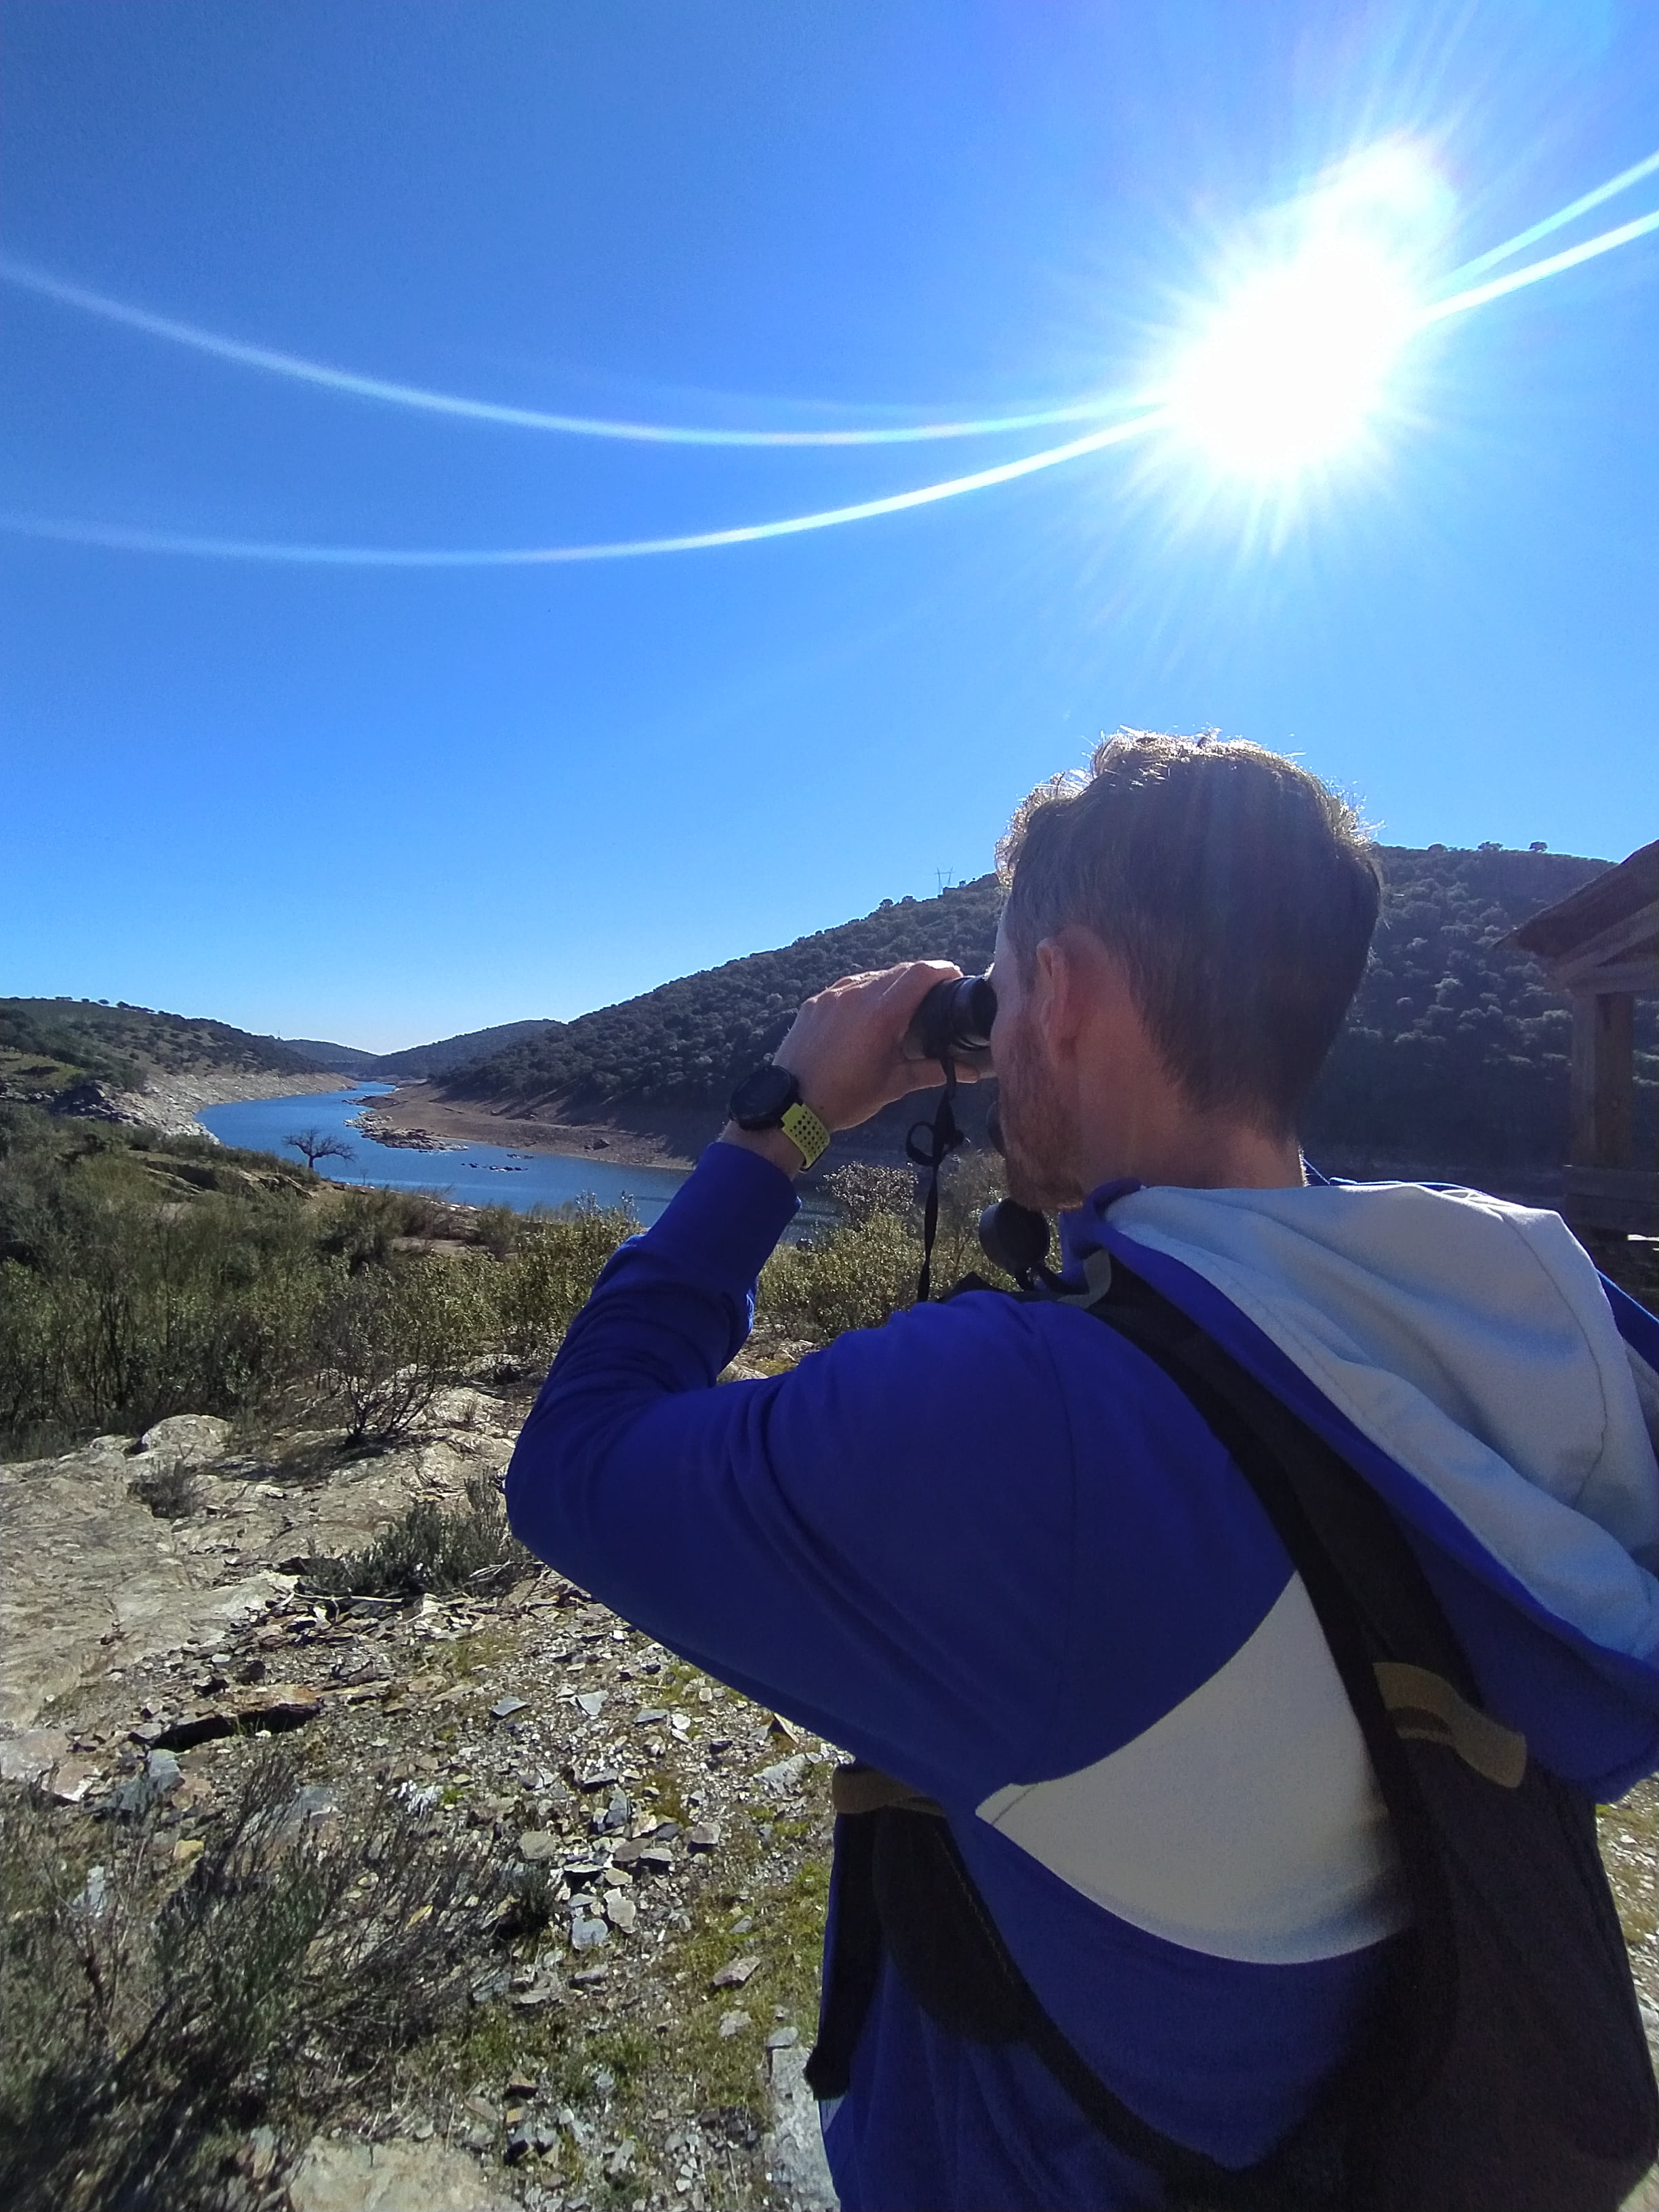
{"points": [[852, 1541], [860, 1542]]}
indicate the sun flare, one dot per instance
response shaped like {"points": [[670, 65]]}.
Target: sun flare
{"points": [[1293, 360], [1292, 367]]}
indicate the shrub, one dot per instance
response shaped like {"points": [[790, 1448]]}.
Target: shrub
{"points": [[538, 1290], [390, 1338], [852, 1278], [124, 1311], [363, 1224], [430, 1549], [152, 2019], [498, 1229], [855, 1277], [861, 1190]]}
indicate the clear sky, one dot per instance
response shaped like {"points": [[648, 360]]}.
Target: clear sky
{"points": [[381, 804]]}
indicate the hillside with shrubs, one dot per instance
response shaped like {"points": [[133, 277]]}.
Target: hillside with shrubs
{"points": [[1454, 1057], [53, 1047]]}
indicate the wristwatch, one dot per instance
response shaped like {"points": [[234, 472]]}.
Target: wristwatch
{"points": [[770, 1099]]}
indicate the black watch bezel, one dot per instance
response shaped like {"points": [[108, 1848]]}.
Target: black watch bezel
{"points": [[764, 1096]]}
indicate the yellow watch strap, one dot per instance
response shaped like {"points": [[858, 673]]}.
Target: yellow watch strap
{"points": [[805, 1132]]}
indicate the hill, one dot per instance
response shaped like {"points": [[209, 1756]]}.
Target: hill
{"points": [[416, 1062], [337, 1059], [50, 1049], [1454, 1057], [421, 1062]]}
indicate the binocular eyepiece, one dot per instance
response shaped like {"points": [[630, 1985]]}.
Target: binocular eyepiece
{"points": [[954, 1019]]}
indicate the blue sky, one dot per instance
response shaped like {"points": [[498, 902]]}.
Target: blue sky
{"points": [[381, 805]]}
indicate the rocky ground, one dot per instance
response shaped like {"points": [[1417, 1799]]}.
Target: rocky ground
{"points": [[644, 2044], [639, 2041]]}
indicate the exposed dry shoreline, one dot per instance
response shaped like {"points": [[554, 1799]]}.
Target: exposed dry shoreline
{"points": [[415, 1108], [172, 1103]]}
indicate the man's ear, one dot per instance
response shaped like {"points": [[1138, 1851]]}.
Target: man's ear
{"points": [[1057, 992]]}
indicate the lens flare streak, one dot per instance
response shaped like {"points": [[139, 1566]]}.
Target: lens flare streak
{"points": [[301, 370], [1477, 296], [1288, 372], [1558, 220], [118, 536]]}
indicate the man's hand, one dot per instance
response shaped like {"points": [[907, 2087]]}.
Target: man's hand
{"points": [[845, 1045]]}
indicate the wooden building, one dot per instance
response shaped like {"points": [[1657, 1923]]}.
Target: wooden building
{"points": [[1601, 945]]}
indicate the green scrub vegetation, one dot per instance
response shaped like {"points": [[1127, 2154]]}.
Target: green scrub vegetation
{"points": [[141, 1277]]}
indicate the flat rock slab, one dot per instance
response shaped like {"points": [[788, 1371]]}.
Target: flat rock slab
{"points": [[93, 1580], [796, 2167], [395, 2177]]}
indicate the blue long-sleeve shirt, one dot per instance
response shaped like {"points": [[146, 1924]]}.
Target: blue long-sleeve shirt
{"points": [[991, 1549]]}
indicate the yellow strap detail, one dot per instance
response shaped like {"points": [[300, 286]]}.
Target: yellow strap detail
{"points": [[806, 1132], [1426, 1707]]}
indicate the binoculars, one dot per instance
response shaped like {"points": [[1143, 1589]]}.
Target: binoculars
{"points": [[954, 1020]]}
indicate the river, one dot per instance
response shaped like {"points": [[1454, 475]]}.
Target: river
{"points": [[476, 1175]]}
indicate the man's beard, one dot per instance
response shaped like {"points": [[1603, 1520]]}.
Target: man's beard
{"points": [[1033, 1132]]}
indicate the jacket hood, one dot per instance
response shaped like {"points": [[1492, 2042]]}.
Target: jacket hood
{"points": [[1470, 1341]]}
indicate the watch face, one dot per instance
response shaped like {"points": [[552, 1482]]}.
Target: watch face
{"points": [[759, 1101]]}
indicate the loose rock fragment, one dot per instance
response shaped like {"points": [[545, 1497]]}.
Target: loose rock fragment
{"points": [[733, 2023], [504, 1708], [786, 1774], [734, 1974]]}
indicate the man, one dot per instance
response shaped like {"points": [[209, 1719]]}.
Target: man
{"points": [[992, 1550]]}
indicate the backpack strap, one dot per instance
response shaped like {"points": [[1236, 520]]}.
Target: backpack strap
{"points": [[1505, 2050], [901, 1885]]}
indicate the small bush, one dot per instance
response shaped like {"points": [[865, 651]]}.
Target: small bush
{"points": [[152, 2019], [539, 1289], [429, 1549], [862, 1190], [363, 1225], [855, 1277], [392, 1337], [115, 1311], [498, 1230], [851, 1278]]}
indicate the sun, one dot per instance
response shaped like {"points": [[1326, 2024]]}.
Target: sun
{"points": [[1291, 370], [1293, 360]]}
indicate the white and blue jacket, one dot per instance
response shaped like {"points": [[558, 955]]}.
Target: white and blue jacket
{"points": [[992, 1549]]}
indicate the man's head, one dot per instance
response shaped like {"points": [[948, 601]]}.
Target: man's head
{"points": [[1186, 926]]}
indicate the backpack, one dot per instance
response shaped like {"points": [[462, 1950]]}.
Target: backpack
{"points": [[1504, 2068]]}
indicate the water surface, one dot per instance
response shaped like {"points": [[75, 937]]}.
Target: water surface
{"points": [[476, 1175]]}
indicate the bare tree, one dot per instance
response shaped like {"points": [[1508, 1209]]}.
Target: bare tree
{"points": [[318, 1145]]}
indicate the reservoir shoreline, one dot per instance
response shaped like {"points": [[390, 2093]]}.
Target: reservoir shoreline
{"points": [[415, 1109]]}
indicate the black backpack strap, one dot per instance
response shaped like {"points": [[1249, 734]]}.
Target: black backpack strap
{"points": [[1506, 2064], [902, 1889], [1505, 2052]]}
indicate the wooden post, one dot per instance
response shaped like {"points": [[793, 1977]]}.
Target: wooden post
{"points": [[1616, 1078], [1604, 1078]]}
